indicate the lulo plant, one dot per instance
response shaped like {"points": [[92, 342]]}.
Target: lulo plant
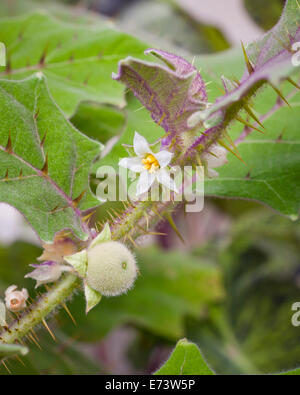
{"points": [[46, 162]]}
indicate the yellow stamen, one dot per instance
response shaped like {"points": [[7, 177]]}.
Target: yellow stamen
{"points": [[151, 163]]}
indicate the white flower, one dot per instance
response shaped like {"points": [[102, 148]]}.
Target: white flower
{"points": [[151, 166], [15, 300], [217, 157], [47, 272]]}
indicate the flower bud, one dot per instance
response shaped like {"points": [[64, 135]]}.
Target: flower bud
{"points": [[217, 157], [111, 268], [15, 300]]}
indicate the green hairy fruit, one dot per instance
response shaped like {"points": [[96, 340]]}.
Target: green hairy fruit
{"points": [[111, 268]]}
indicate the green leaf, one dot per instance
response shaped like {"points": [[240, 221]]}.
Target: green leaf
{"points": [[77, 59], [44, 160], [186, 359], [7, 350], [159, 302], [264, 12], [270, 61], [172, 91], [99, 122], [243, 335], [65, 357], [168, 25], [272, 171], [295, 372]]}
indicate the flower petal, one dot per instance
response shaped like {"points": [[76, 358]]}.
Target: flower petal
{"points": [[133, 164], [163, 176], [145, 181], [164, 158], [141, 145]]}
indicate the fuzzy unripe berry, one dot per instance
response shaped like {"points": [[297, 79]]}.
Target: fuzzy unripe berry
{"points": [[111, 268]]}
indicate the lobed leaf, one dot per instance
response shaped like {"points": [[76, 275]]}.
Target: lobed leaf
{"points": [[77, 59], [44, 160]]}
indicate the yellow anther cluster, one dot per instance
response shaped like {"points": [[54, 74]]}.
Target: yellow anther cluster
{"points": [[151, 163]]}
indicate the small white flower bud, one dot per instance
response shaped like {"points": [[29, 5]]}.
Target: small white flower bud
{"points": [[111, 268], [15, 300], [217, 157]]}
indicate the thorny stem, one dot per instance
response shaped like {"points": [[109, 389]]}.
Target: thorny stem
{"points": [[131, 224], [141, 215]]}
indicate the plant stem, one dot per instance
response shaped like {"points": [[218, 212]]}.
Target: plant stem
{"points": [[40, 309]]}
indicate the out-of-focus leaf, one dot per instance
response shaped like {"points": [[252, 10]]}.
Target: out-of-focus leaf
{"points": [[99, 122], [295, 372], [265, 12], [186, 359], [252, 331], [62, 358], [15, 260], [168, 25], [170, 287], [61, 10], [45, 161], [77, 59]]}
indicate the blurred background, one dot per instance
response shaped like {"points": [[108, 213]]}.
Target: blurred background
{"points": [[229, 287]]}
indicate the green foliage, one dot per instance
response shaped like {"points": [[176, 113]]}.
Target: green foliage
{"points": [[295, 372], [264, 12], [62, 358], [99, 122], [166, 24], [45, 161], [252, 332], [186, 359], [76, 59], [238, 312], [272, 171]]}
